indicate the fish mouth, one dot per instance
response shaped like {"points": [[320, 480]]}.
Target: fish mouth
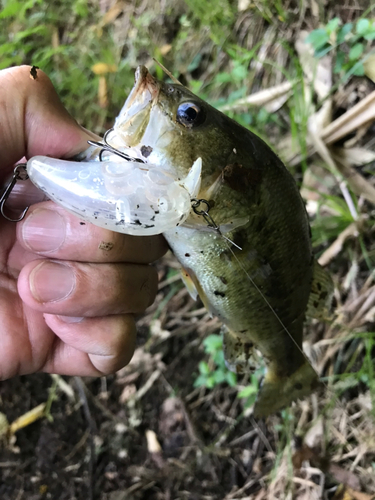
{"points": [[131, 123]]}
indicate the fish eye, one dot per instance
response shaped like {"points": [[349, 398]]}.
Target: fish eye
{"points": [[190, 114]]}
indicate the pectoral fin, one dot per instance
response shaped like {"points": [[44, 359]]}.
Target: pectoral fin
{"points": [[321, 294], [194, 288], [189, 283]]}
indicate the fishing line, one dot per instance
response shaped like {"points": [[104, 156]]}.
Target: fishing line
{"points": [[327, 388], [211, 223]]}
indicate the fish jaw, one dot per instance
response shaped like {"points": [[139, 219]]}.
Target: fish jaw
{"points": [[134, 116], [143, 129]]}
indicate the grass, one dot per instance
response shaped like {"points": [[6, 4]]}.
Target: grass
{"points": [[225, 55]]}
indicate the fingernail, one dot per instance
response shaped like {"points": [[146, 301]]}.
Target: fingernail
{"points": [[71, 319], [44, 230], [50, 282]]}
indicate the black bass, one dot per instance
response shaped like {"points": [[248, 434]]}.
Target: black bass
{"points": [[230, 211]]}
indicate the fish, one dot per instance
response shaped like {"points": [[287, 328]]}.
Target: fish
{"points": [[230, 211]]}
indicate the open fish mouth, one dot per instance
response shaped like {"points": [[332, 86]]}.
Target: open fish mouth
{"points": [[132, 189], [134, 117]]}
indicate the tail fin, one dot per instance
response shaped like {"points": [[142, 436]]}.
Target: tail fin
{"points": [[276, 392]]}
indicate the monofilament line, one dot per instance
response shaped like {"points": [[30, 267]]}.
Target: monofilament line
{"points": [[285, 328]]}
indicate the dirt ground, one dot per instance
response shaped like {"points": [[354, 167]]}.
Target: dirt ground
{"points": [[146, 433]]}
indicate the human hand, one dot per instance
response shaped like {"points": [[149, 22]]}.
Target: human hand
{"points": [[68, 290]]}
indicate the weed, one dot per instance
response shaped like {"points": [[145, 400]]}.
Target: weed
{"points": [[350, 42], [214, 372]]}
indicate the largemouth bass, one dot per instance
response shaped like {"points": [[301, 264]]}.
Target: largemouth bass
{"points": [[230, 211]]}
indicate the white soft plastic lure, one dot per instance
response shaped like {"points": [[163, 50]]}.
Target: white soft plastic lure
{"points": [[124, 196]]}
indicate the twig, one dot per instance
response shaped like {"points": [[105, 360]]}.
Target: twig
{"points": [[92, 429]]}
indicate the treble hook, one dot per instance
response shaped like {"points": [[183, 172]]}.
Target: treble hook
{"points": [[105, 146], [195, 204], [19, 174]]}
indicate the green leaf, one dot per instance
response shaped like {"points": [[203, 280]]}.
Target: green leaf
{"points": [[239, 73], [359, 69], [219, 376], [10, 9], [200, 381], [231, 378], [339, 63], [318, 38], [213, 343], [363, 26], [219, 359], [343, 32], [210, 383], [332, 25], [356, 51], [370, 35], [204, 369], [223, 77], [323, 51], [80, 8], [194, 63], [248, 391]]}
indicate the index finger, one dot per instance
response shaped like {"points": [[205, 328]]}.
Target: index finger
{"points": [[51, 231]]}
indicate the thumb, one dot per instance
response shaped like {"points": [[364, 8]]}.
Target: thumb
{"points": [[33, 120]]}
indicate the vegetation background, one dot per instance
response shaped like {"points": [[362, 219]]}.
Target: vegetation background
{"points": [[176, 424]]}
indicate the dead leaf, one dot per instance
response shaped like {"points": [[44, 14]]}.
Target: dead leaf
{"points": [[346, 493], [318, 72], [356, 181], [359, 185], [363, 112], [260, 98], [301, 455], [354, 156], [344, 476], [369, 66], [28, 418], [314, 436], [153, 444], [164, 49], [336, 247], [243, 5], [127, 393], [111, 15], [154, 448]]}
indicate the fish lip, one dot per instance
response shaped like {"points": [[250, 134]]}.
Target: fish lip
{"points": [[145, 92], [146, 87], [134, 116]]}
